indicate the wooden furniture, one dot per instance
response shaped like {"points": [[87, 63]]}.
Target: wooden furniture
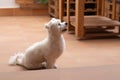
{"points": [[89, 26], [109, 8], [90, 7], [30, 4], [53, 8]]}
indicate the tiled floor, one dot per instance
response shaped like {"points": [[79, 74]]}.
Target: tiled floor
{"points": [[17, 33]]}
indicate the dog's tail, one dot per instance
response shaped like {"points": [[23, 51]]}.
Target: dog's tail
{"points": [[16, 59]]}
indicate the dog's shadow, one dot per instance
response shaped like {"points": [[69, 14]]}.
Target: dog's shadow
{"points": [[26, 69], [42, 68]]}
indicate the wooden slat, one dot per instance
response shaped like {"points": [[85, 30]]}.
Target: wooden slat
{"points": [[23, 12], [90, 10], [99, 7], [61, 9], [118, 11], [56, 10], [114, 9], [52, 6], [100, 34], [79, 18], [92, 21], [99, 21], [103, 7], [90, 1], [68, 15]]}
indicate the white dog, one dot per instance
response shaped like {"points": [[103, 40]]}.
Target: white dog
{"points": [[46, 51]]}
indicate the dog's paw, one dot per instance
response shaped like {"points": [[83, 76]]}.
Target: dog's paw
{"points": [[12, 60], [44, 65]]}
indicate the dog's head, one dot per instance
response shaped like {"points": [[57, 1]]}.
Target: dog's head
{"points": [[56, 26]]}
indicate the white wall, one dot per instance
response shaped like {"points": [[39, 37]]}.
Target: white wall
{"points": [[8, 4]]}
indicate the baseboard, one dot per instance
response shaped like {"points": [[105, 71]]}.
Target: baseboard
{"points": [[22, 12]]}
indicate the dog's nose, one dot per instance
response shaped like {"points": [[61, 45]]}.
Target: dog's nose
{"points": [[66, 23]]}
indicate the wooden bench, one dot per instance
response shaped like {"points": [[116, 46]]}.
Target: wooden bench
{"points": [[89, 26]]}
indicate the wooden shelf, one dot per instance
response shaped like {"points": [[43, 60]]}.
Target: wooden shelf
{"points": [[71, 2], [94, 21], [91, 10], [71, 10], [94, 26], [90, 2], [54, 5]]}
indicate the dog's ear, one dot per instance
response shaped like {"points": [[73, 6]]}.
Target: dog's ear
{"points": [[46, 26], [53, 19]]}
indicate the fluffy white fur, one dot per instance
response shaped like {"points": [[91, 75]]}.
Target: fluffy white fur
{"points": [[43, 53]]}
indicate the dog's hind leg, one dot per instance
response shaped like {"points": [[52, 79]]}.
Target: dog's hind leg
{"points": [[51, 64], [20, 59]]}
